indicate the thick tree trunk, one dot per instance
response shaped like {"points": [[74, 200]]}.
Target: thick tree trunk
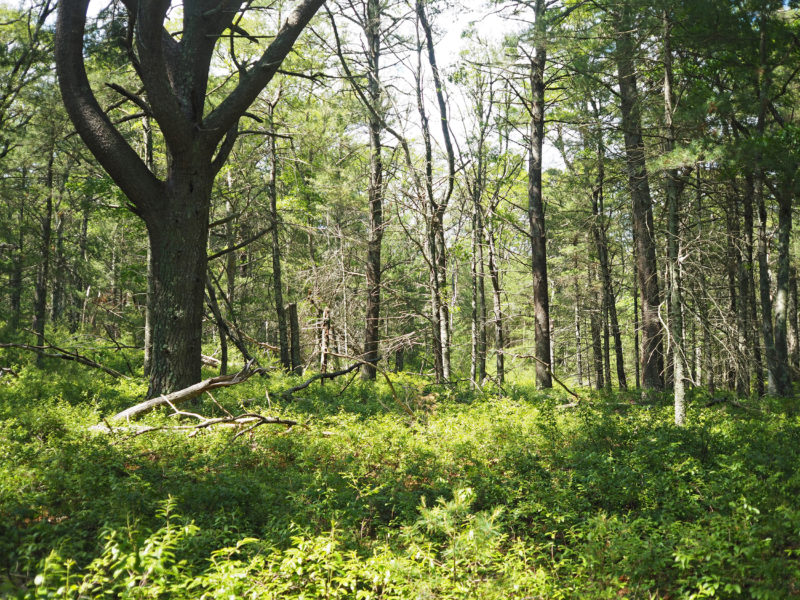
{"points": [[652, 353], [536, 223], [178, 240]]}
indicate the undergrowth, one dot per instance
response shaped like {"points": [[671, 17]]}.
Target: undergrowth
{"points": [[477, 496]]}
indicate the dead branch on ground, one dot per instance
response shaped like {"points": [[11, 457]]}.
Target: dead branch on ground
{"points": [[188, 393], [319, 376], [252, 420], [51, 351]]}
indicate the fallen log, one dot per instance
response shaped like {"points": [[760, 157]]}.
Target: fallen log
{"points": [[188, 393]]}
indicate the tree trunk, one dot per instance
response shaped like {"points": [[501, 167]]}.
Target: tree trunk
{"points": [[478, 321], [175, 77], [673, 193], [749, 277], [60, 272], [743, 327], [595, 327], [636, 346], [793, 339], [325, 340], [15, 281], [294, 333], [277, 279], [178, 241], [601, 244], [372, 30], [652, 353], [40, 291], [497, 297], [783, 382], [536, 222]]}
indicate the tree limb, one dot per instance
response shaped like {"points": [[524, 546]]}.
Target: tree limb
{"points": [[188, 393]]}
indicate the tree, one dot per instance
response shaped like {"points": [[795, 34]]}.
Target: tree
{"points": [[174, 73], [652, 354]]}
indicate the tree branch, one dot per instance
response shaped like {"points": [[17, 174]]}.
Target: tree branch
{"points": [[251, 83], [104, 141]]}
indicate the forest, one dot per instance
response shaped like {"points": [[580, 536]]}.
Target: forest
{"points": [[399, 299]]}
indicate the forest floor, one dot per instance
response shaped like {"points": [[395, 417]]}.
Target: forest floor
{"points": [[451, 495]]}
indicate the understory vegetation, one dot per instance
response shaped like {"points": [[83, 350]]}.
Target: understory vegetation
{"points": [[507, 493]]}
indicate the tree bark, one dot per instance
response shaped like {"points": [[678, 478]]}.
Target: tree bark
{"points": [[478, 320], [595, 327], [60, 272]]}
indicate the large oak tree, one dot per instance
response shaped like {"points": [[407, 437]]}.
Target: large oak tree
{"points": [[174, 74]]}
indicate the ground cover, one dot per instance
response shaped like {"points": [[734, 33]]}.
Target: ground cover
{"points": [[494, 495]]}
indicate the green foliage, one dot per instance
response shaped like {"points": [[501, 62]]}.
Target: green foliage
{"points": [[472, 498]]}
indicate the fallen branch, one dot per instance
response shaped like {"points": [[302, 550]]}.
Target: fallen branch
{"points": [[252, 419], [210, 361], [188, 393], [288, 393], [65, 355]]}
